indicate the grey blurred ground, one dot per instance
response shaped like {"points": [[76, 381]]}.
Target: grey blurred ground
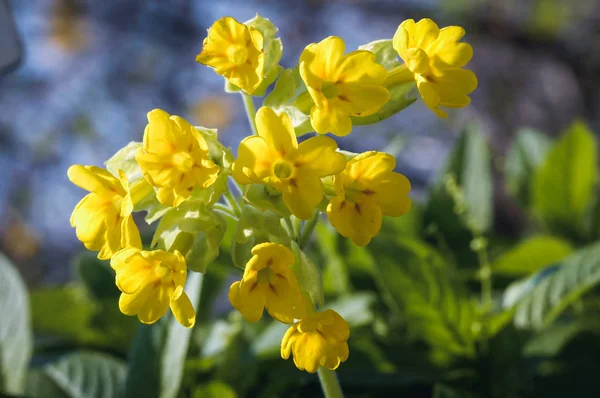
{"points": [[91, 70]]}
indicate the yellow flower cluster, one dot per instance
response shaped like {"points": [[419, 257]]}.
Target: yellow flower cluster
{"points": [[179, 172]]}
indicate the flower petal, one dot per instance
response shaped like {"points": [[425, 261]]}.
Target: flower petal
{"points": [[183, 310], [318, 154], [276, 130]]}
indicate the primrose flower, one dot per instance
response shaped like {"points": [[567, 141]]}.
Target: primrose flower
{"points": [[235, 51], [270, 283], [436, 59], [174, 158], [103, 219], [367, 189], [341, 85], [320, 339], [150, 282], [274, 158]]}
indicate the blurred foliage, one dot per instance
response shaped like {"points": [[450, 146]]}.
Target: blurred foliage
{"points": [[424, 322]]}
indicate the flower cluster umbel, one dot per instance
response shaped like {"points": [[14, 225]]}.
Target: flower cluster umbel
{"points": [[179, 175]]}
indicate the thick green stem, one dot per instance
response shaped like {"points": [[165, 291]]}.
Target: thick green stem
{"points": [[309, 227], [233, 203], [290, 227], [250, 112], [330, 384]]}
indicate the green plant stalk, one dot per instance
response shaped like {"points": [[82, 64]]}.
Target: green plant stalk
{"points": [[329, 383], [290, 227], [250, 112], [232, 202], [309, 227], [225, 210]]}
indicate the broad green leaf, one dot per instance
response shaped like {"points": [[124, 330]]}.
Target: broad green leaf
{"points": [[562, 185], [124, 160], [385, 54], [214, 389], [308, 275], [541, 298], [531, 255], [433, 304], [551, 340], [526, 152], [15, 329], [355, 308], [79, 375], [158, 353], [460, 200]]}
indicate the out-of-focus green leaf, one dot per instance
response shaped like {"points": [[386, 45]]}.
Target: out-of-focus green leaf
{"points": [[158, 353], [563, 184], [98, 276], [541, 298], [79, 375], [531, 255], [308, 275], [409, 225], [526, 152], [551, 340], [355, 308], [15, 329], [453, 213], [433, 304], [214, 389], [335, 270]]}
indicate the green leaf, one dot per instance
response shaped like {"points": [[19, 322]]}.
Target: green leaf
{"points": [[355, 308], [426, 295], [526, 152], [541, 298], [98, 276], [158, 353], [124, 160], [336, 279], [308, 275], [79, 375], [385, 54], [15, 329], [460, 201], [531, 255], [214, 389], [563, 185]]}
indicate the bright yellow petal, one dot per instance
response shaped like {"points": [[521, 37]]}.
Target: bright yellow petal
{"points": [[303, 195], [276, 130], [360, 67], [254, 162], [426, 31], [361, 100], [330, 120], [319, 61], [93, 179], [318, 154], [392, 195], [130, 235], [369, 166], [357, 221], [183, 310], [155, 307]]}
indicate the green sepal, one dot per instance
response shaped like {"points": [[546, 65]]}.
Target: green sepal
{"points": [[308, 275], [266, 198], [124, 159], [253, 228], [385, 55], [273, 48]]}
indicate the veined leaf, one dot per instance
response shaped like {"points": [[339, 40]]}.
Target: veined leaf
{"points": [[541, 298], [15, 329]]}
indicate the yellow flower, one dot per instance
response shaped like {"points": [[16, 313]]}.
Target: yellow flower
{"points": [[150, 282], [236, 52], [270, 283], [174, 158], [103, 219], [341, 85], [318, 340], [436, 59], [274, 158], [367, 189]]}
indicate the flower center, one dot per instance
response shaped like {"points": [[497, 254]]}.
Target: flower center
{"points": [[265, 275], [237, 54], [283, 169], [163, 272], [183, 161]]}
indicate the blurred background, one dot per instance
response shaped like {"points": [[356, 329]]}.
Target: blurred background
{"points": [[77, 78]]}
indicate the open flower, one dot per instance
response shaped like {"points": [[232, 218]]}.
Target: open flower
{"points": [[236, 52], [436, 59], [341, 85], [174, 158], [270, 283], [320, 339], [103, 219], [151, 282], [367, 189], [274, 158]]}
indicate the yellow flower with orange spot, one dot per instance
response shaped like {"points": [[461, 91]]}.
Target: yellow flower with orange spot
{"points": [[435, 58], [366, 190], [341, 85], [320, 339], [268, 283], [275, 158], [151, 282], [174, 158], [103, 219], [235, 51]]}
